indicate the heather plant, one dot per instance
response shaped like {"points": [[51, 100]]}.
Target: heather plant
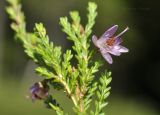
{"points": [[77, 80]]}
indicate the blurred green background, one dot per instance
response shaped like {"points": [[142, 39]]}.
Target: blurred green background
{"points": [[136, 75]]}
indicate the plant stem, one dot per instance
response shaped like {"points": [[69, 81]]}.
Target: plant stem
{"points": [[68, 90]]}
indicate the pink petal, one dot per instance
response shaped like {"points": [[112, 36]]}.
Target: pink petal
{"points": [[114, 51], [94, 40], [118, 41], [107, 57], [109, 33], [122, 49], [117, 47]]}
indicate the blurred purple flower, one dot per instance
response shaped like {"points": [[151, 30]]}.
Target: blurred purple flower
{"points": [[110, 44], [39, 91]]}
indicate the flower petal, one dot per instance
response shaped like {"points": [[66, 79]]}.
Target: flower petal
{"points": [[123, 49], [114, 51], [39, 91], [110, 32], [107, 57], [94, 40], [117, 41]]}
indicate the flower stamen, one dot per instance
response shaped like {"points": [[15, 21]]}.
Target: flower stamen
{"points": [[110, 41], [126, 29]]}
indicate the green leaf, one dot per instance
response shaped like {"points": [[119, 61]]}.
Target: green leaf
{"points": [[102, 92], [44, 72], [91, 17]]}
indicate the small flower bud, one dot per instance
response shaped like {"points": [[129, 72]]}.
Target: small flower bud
{"points": [[39, 91]]}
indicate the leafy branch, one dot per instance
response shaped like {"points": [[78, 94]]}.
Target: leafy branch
{"points": [[77, 81], [80, 37], [102, 93]]}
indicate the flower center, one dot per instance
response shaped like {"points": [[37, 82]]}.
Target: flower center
{"points": [[110, 41]]}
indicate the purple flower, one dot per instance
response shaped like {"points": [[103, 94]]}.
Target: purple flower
{"points": [[110, 44], [39, 91]]}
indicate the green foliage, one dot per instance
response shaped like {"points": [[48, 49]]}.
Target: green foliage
{"points": [[77, 81], [52, 103], [102, 93]]}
